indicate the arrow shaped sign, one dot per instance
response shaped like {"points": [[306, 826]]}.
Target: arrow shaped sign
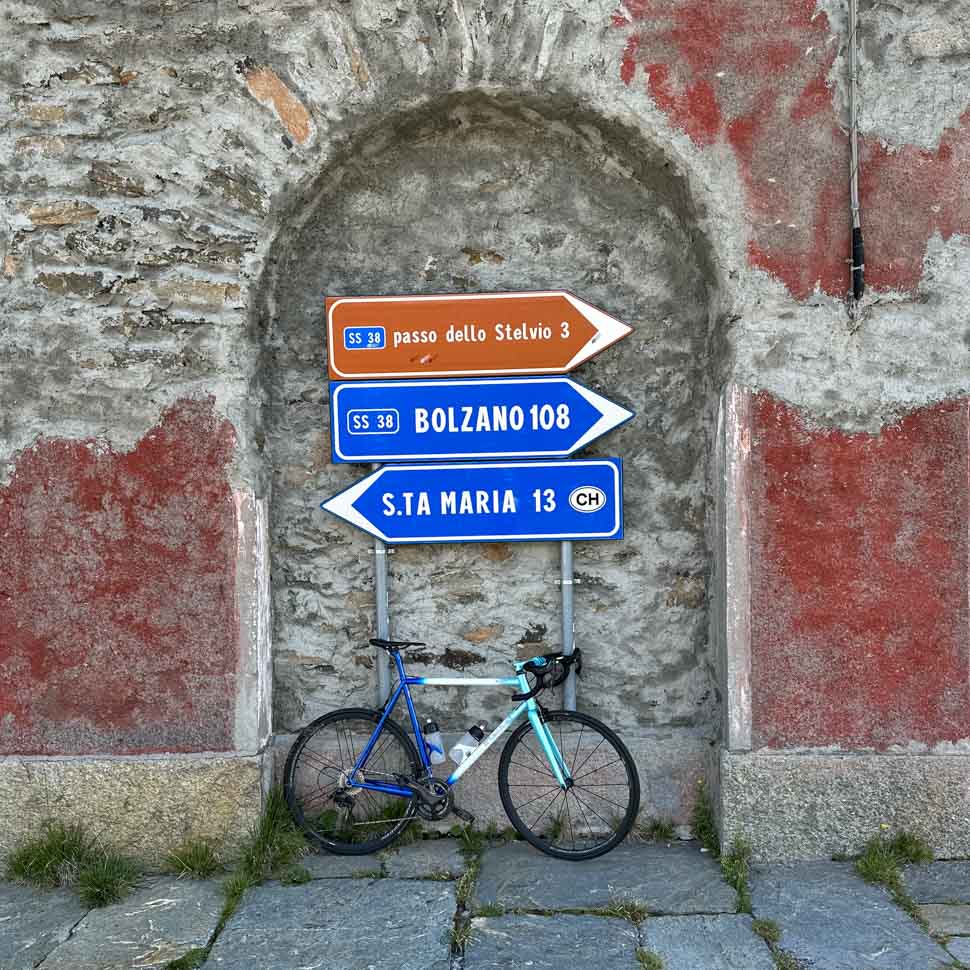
{"points": [[524, 417], [473, 335], [487, 502]]}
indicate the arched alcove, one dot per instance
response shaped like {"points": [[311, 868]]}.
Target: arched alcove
{"points": [[479, 192]]}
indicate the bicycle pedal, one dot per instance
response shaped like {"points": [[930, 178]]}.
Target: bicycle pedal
{"points": [[463, 815]]}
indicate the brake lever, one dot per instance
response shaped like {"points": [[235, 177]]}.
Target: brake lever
{"points": [[540, 677]]}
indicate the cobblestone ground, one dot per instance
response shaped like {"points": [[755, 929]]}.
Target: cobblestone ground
{"points": [[436, 906]]}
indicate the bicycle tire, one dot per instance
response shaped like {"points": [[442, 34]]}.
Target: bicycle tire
{"points": [[303, 764], [589, 806]]}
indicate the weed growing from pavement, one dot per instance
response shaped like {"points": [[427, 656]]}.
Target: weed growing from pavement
{"points": [[702, 821], [472, 842], [53, 858], [189, 961], [108, 879], [785, 961], [648, 960], [438, 875], [629, 909], [461, 934], [490, 909], [880, 862], [466, 882], [657, 830], [735, 867], [66, 855], [275, 843], [295, 875], [196, 859], [767, 929], [367, 874]]}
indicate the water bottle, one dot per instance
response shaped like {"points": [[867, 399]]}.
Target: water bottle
{"points": [[468, 742], [434, 742]]}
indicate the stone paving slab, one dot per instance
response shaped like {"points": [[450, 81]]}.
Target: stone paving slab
{"points": [[938, 882], [425, 858], [832, 920], [326, 865], [959, 948], [666, 879], [33, 922], [711, 942], [383, 924], [949, 920], [551, 943], [156, 924]]}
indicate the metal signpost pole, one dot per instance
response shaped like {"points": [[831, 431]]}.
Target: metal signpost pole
{"points": [[381, 658], [568, 630], [383, 621]]}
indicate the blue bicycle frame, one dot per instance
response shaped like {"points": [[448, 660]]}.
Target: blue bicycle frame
{"points": [[528, 707]]}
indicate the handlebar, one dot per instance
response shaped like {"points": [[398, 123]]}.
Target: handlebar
{"points": [[546, 666]]}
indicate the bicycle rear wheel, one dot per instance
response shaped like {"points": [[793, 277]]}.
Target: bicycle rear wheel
{"points": [[590, 817], [342, 819]]}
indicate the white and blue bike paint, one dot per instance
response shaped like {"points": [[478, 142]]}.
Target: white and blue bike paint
{"points": [[529, 707]]}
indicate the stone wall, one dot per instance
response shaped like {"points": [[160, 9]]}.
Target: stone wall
{"points": [[181, 184]]}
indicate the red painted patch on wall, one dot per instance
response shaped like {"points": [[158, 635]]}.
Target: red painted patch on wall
{"points": [[753, 73], [118, 629], [859, 580]]}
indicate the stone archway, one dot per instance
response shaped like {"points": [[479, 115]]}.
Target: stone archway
{"points": [[483, 192]]}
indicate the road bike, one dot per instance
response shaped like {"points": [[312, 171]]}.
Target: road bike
{"points": [[354, 779]]}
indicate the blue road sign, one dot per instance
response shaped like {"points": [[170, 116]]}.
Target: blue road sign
{"points": [[487, 501], [527, 417]]}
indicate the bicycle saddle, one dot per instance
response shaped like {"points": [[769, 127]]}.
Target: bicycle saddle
{"points": [[392, 646]]}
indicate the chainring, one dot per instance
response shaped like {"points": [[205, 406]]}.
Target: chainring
{"points": [[435, 787]]}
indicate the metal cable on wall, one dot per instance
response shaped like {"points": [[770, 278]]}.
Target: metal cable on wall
{"points": [[858, 264]]}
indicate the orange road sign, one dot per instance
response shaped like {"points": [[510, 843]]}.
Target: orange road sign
{"points": [[474, 335]]}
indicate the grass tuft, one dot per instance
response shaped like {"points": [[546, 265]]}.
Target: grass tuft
{"points": [[54, 857], [106, 880], [275, 844], [189, 961], [490, 909], [275, 841], [629, 909], [466, 882], [767, 929], [648, 960], [295, 875], [910, 849], [735, 867], [472, 842], [880, 862], [195, 858], [233, 890], [438, 875], [461, 934], [785, 961], [702, 821], [65, 855], [657, 830]]}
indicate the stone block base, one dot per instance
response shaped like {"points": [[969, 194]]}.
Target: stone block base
{"points": [[143, 806], [814, 806], [669, 766]]}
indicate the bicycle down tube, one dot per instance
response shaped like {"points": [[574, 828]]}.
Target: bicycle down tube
{"points": [[528, 707]]}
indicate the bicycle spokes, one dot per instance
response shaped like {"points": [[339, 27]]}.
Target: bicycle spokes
{"points": [[601, 796], [323, 784]]}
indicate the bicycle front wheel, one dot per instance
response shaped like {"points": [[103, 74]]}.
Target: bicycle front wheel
{"points": [[591, 816], [338, 817]]}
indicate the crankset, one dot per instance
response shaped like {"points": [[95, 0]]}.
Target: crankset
{"points": [[434, 798]]}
